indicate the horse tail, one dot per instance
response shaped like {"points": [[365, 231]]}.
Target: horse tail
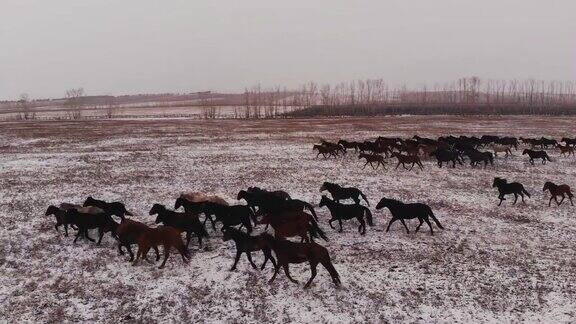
{"points": [[364, 197], [333, 273], [526, 192], [316, 231], [311, 209], [431, 214], [369, 216]]}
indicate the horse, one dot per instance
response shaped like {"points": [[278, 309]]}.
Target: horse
{"points": [[443, 155], [291, 252], [90, 218], [401, 211], [166, 236], [128, 233], [326, 151], [477, 157], [114, 208], [227, 215], [341, 212], [338, 192], [546, 142], [565, 149], [372, 158], [294, 223], [60, 215], [278, 193], [498, 148], [184, 222], [403, 159], [505, 188], [202, 197], [558, 190], [536, 155], [337, 147], [348, 145], [247, 244]]}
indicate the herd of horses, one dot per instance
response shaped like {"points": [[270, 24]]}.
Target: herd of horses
{"points": [[445, 149], [289, 217]]}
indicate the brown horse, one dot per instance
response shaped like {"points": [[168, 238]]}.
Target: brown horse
{"points": [[372, 158], [128, 233], [292, 223], [403, 159], [162, 235], [565, 149], [558, 190], [326, 151], [291, 252]]}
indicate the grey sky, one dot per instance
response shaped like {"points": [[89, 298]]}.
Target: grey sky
{"points": [[122, 46]]}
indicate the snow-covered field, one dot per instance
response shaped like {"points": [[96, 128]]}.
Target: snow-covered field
{"points": [[508, 263]]}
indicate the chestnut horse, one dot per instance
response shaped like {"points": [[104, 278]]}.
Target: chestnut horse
{"points": [[291, 252], [162, 235], [558, 190]]}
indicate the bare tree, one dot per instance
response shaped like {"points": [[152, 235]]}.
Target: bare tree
{"points": [[74, 102], [110, 106], [25, 107]]}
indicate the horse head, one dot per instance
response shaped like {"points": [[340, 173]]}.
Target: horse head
{"points": [[89, 201]]}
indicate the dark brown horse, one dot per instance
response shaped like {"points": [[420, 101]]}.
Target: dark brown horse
{"points": [[565, 149], [558, 190], [371, 159], [403, 159], [291, 252], [292, 223], [326, 151], [247, 244]]}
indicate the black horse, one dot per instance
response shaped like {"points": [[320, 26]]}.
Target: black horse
{"points": [[536, 155], [338, 192], [184, 222], [341, 212], [227, 215], [86, 221], [247, 244], [443, 155], [114, 208], [505, 188], [476, 157], [401, 211]]}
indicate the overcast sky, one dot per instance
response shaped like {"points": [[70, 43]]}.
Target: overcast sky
{"points": [[136, 46]]}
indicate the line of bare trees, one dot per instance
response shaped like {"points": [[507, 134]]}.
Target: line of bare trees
{"points": [[464, 96]]}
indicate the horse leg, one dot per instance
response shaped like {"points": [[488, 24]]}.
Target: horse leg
{"points": [[411, 167], [276, 269], [238, 253], [101, 234], [418, 227], [188, 237], [330, 222], [404, 223], [515, 198], [157, 253], [397, 165], [390, 223], [166, 255], [561, 200], [550, 201], [571, 203], [429, 225], [314, 271], [501, 200], [65, 230], [421, 166], [365, 165], [362, 227], [340, 223], [287, 271], [77, 235], [249, 256]]}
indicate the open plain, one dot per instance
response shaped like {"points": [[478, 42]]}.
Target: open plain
{"points": [[508, 263]]}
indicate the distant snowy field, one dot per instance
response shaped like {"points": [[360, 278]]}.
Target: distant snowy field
{"points": [[508, 263]]}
